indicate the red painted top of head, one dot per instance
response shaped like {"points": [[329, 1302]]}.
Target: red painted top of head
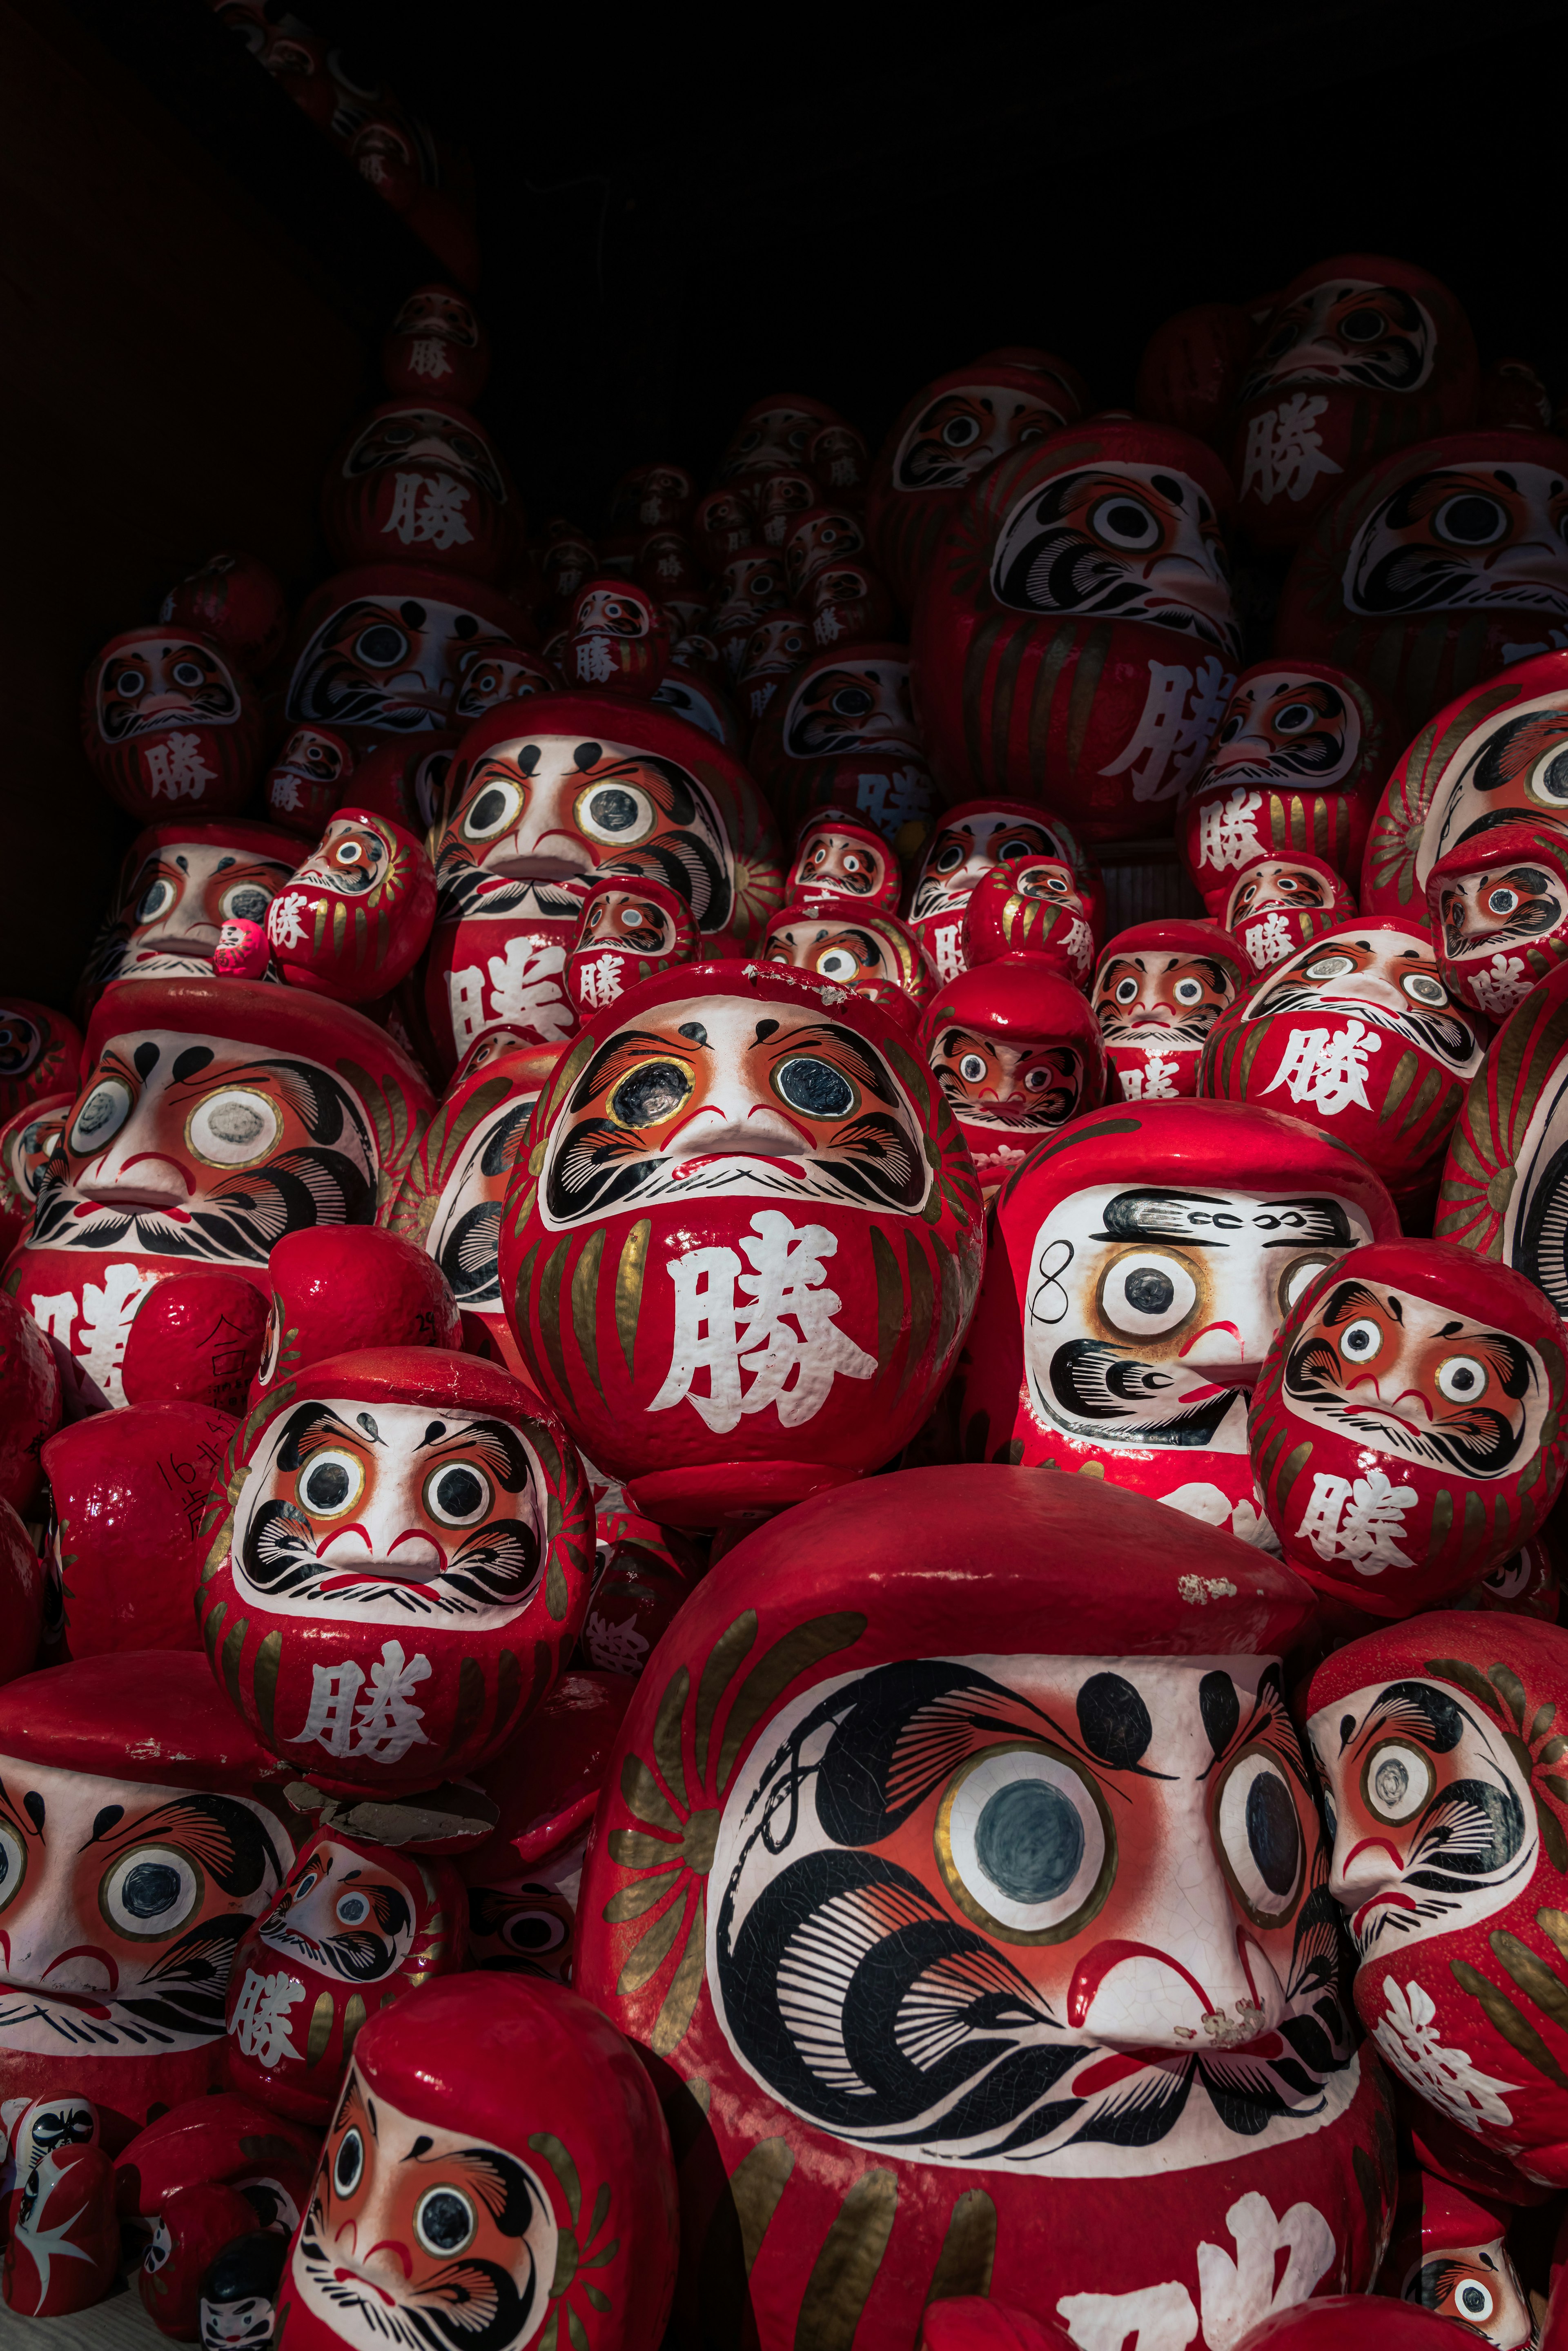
{"points": [[1017, 1052], [178, 885], [436, 344], [1034, 905], [151, 1714], [336, 1289]]}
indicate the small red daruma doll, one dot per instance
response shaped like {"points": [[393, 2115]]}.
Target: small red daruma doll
{"points": [[1141, 1263], [169, 719], [618, 639], [1358, 1034], [40, 1053], [1034, 907], [354, 1926], [1499, 910], [62, 2236], [744, 1244], [422, 479], [968, 843], [436, 344], [1436, 1745], [495, 2138], [1406, 1426], [632, 928], [1297, 765], [405, 1560], [1017, 1052], [1158, 990], [356, 916], [306, 780], [237, 600], [838, 940], [1277, 904], [838, 855]]}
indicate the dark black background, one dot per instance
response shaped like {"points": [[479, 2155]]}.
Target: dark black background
{"points": [[678, 217]]}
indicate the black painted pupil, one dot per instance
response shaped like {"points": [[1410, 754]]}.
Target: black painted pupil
{"points": [[949, 858], [532, 1933], [1028, 1840], [1130, 521], [1552, 777], [249, 906], [1148, 1292], [1472, 520], [459, 1493], [445, 2219], [1474, 2298], [1274, 1832], [815, 1087], [1465, 1383], [488, 809], [97, 1109], [1362, 326], [1390, 1784], [156, 899], [649, 1094], [614, 811], [383, 646], [151, 1888], [187, 673], [960, 432], [351, 2159], [327, 1488], [852, 702], [1292, 721]]}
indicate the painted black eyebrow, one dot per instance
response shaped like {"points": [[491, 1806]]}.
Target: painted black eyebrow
{"points": [[312, 1418]]}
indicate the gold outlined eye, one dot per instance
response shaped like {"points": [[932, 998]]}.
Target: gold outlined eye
{"points": [[1361, 1342], [1462, 1379], [330, 1482], [443, 2222], [1025, 1842], [1396, 1782], [494, 810], [1296, 1276], [615, 812], [1146, 1294], [233, 1127], [651, 1092]]}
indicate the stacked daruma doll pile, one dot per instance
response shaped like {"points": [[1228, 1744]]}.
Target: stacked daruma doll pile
{"points": [[784, 1376]]}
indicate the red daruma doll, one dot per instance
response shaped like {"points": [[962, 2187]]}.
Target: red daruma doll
{"points": [[744, 1243], [169, 720], [1407, 1426], [1158, 991], [1017, 1052], [355, 918]]}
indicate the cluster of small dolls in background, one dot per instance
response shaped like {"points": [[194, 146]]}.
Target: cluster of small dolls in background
{"points": [[749, 1584]]}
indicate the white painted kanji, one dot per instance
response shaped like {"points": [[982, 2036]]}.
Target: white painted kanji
{"points": [[615, 1649], [524, 986], [1284, 452], [1177, 725], [780, 1334], [1327, 1068], [105, 1312], [947, 950], [427, 510], [601, 982], [285, 919], [1407, 2036], [284, 791], [1153, 1082], [427, 357], [596, 662], [1236, 2292], [1227, 830], [1358, 1520], [1268, 940], [1503, 985], [261, 2023], [382, 1725], [176, 770]]}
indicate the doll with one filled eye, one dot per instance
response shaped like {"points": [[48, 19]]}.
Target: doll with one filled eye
{"points": [[1407, 1427]]}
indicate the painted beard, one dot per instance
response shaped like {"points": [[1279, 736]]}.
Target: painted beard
{"points": [[177, 2005], [238, 1225], [1477, 1443], [1106, 1393], [358, 1956], [464, 891], [460, 2306], [1449, 1039], [1386, 575], [332, 690], [1150, 1038], [497, 1566], [861, 2003], [1536, 916], [212, 706]]}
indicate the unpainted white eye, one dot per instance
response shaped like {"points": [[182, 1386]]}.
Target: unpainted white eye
{"points": [[458, 1494], [616, 813], [160, 2245], [838, 963], [348, 2163], [235, 1127], [352, 1908], [1509, 1581], [154, 901], [1126, 991], [1023, 1844], [971, 1068], [1297, 1276], [1260, 1836], [13, 1864], [1361, 1340], [1474, 2303], [443, 2222], [1396, 1780], [101, 1117], [1146, 1294], [1188, 992], [1125, 521], [151, 1893], [1330, 967], [331, 1482], [1294, 719], [494, 810], [1422, 989], [1462, 1379]]}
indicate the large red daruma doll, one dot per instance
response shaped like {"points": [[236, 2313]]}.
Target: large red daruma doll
{"points": [[214, 1118], [402, 1568], [1141, 1261], [1440, 567], [1075, 642], [421, 478], [380, 653], [167, 718], [1494, 755], [1298, 764], [1026, 1781], [540, 795], [1504, 1190], [1359, 355], [746, 1241], [1436, 1746], [144, 1829], [1407, 1428], [950, 431]]}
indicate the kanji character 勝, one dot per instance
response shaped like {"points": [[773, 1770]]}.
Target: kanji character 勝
{"points": [[176, 770], [1177, 725], [1327, 1068], [1227, 831], [261, 2022], [1284, 452], [428, 510], [1358, 1520], [385, 1724]]}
